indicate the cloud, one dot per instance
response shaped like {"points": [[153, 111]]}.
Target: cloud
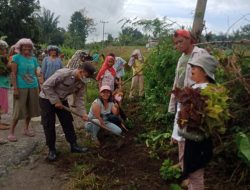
{"points": [[219, 14]]}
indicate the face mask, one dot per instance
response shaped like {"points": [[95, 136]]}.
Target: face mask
{"points": [[84, 80], [118, 98]]}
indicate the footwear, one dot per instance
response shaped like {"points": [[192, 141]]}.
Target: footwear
{"points": [[12, 138], [52, 155], [28, 133], [76, 149]]}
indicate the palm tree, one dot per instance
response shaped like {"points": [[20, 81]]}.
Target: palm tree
{"points": [[48, 24]]}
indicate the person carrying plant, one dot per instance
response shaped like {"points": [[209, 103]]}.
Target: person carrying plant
{"points": [[198, 122], [51, 63], [137, 62], [185, 44], [4, 84], [53, 97], [25, 83]]}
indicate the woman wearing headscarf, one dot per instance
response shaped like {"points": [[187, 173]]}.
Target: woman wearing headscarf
{"points": [[136, 62], [4, 83], [25, 83], [51, 63], [77, 59], [107, 73]]}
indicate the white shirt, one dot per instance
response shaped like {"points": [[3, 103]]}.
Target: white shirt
{"points": [[175, 134]]}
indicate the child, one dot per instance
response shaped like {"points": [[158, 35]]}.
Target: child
{"points": [[198, 150]]}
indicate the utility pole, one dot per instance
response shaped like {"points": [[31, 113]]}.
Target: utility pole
{"points": [[198, 23], [103, 31]]}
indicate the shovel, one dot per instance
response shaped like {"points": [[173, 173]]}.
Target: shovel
{"points": [[91, 121]]}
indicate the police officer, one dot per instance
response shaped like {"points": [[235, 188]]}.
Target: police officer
{"points": [[53, 97]]}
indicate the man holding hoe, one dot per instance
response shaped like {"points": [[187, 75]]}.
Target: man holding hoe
{"points": [[53, 98]]}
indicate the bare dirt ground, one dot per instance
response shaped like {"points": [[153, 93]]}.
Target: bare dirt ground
{"points": [[119, 164]]}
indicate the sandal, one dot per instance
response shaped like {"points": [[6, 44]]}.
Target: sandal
{"points": [[12, 138], [28, 133]]}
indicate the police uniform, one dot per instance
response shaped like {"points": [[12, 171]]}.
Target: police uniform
{"points": [[55, 90]]}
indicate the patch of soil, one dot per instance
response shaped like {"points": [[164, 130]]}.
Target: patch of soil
{"points": [[122, 160]]}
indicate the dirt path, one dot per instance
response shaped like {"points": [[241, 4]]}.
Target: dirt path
{"points": [[31, 171], [38, 175]]}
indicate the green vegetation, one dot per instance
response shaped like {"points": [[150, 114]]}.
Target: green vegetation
{"points": [[231, 160], [168, 172]]}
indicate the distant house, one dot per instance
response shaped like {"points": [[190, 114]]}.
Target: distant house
{"points": [[152, 42]]}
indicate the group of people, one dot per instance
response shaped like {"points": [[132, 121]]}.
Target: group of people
{"points": [[45, 92], [196, 69]]}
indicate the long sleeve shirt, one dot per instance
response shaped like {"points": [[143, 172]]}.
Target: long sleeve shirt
{"points": [[62, 84], [183, 74]]}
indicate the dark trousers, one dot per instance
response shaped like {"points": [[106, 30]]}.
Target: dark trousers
{"points": [[48, 113]]}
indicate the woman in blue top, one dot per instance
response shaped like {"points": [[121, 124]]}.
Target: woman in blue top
{"points": [[51, 63], [100, 112], [25, 83]]}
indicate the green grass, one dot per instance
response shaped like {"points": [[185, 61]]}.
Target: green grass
{"points": [[91, 94]]}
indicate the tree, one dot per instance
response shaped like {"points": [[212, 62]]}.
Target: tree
{"points": [[48, 26], [110, 38], [17, 19], [131, 36], [58, 36], [79, 29], [158, 27]]}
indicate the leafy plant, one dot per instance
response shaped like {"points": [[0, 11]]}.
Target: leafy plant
{"points": [[4, 70], [217, 108], [243, 146], [203, 110], [174, 186], [157, 141], [168, 172]]}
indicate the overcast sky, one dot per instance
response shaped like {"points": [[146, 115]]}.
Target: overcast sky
{"points": [[220, 14]]}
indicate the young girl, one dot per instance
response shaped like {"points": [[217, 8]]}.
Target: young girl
{"points": [[106, 75], [198, 148]]}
